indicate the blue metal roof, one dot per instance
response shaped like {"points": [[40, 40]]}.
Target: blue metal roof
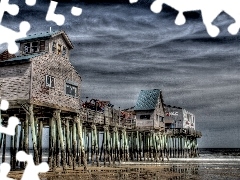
{"points": [[147, 99], [46, 35], [42, 35]]}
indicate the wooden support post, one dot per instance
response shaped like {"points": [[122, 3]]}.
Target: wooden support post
{"points": [[151, 144], [96, 144], [11, 152], [74, 146], [140, 146], [55, 143], [50, 146], [40, 133], [114, 144], [118, 146], [122, 145], [144, 146], [137, 146], [109, 146], [26, 134], [68, 143], [15, 148], [167, 146], [4, 147], [57, 116], [21, 145], [1, 135], [126, 145], [34, 138], [79, 130], [93, 145], [88, 146], [1, 141], [101, 152], [64, 141], [105, 144]]}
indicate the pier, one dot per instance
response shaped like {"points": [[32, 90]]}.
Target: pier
{"points": [[92, 137], [43, 90]]}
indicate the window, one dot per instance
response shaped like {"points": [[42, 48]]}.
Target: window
{"points": [[42, 45], [27, 48], [145, 117], [54, 47], [34, 47], [59, 49], [50, 81], [71, 89], [64, 51]]}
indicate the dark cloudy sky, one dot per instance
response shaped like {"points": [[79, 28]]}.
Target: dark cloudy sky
{"points": [[122, 48]]}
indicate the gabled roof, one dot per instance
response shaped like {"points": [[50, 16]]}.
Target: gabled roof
{"points": [[147, 99], [46, 35]]}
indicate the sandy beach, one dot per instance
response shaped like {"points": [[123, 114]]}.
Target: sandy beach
{"points": [[222, 167], [117, 172]]}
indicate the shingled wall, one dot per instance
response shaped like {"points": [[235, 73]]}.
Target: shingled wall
{"points": [[15, 82]]}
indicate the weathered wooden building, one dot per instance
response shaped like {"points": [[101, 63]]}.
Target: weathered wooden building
{"points": [[149, 109], [177, 117], [42, 75], [42, 86]]}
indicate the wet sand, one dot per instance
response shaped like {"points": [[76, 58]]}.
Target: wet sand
{"points": [[117, 172], [199, 170]]}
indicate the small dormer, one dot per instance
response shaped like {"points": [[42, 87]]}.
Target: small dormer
{"points": [[49, 42]]}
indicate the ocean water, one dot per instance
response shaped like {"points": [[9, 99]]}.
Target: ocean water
{"points": [[221, 164]]}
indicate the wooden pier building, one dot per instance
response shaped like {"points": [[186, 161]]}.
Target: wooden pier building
{"points": [[43, 89]]}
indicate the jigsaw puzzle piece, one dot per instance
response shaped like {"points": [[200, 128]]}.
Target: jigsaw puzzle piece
{"points": [[133, 1], [76, 11], [30, 2], [4, 170], [4, 105], [51, 16], [31, 170], [9, 36], [12, 9], [10, 129]]}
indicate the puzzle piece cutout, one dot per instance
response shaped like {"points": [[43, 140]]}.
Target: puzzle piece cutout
{"points": [[31, 171], [12, 9], [7, 35], [30, 2], [4, 170], [10, 129], [4, 105], [59, 19], [209, 9], [12, 121]]}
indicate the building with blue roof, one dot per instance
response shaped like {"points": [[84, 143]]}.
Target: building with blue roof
{"points": [[149, 109]]}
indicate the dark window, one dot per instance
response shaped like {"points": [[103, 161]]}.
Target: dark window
{"points": [[54, 46], [50, 81], [64, 51], [144, 116], [71, 89], [34, 47], [42, 45], [27, 48]]}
